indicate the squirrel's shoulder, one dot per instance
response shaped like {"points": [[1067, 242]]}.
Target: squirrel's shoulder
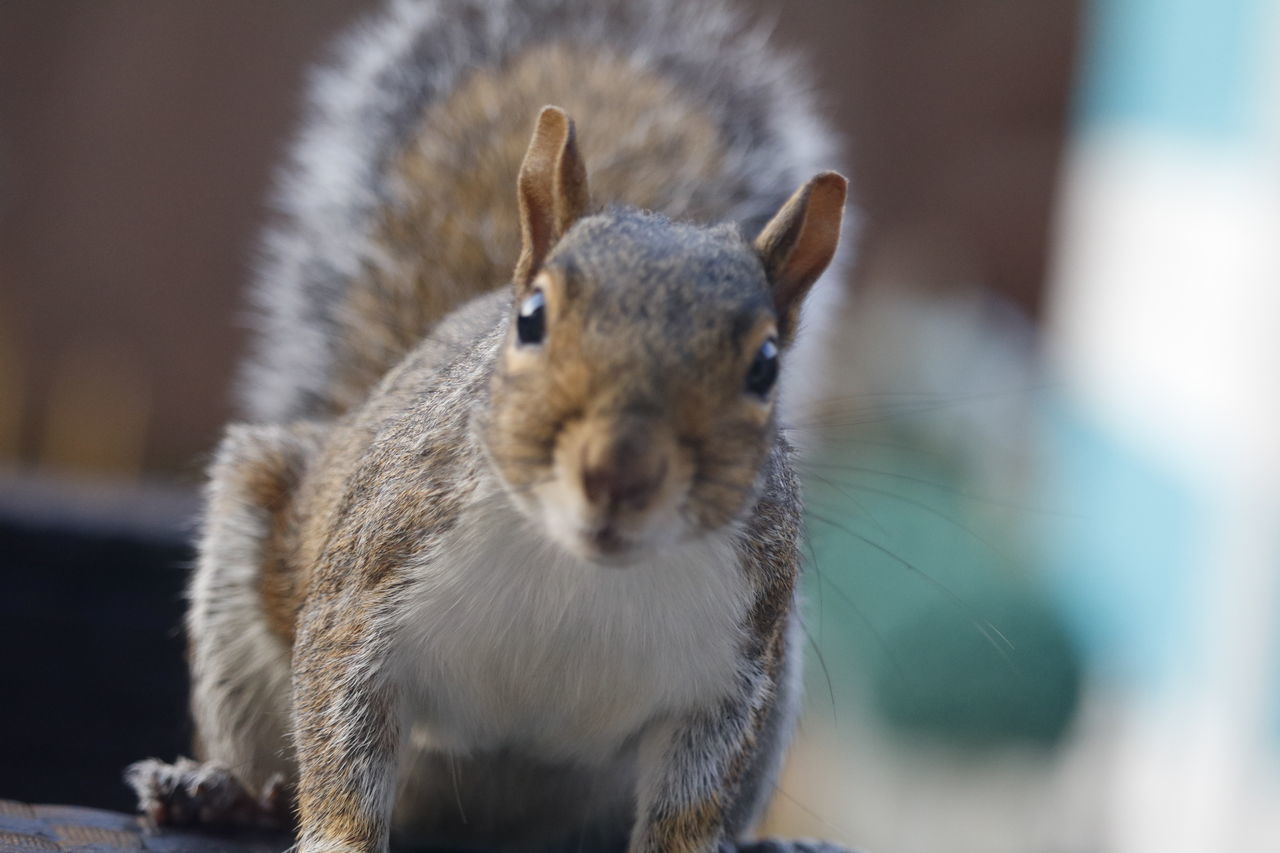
{"points": [[396, 204]]}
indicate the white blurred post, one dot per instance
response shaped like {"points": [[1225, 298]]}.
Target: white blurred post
{"points": [[1165, 333]]}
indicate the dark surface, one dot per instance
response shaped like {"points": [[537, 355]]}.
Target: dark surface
{"points": [[25, 828], [93, 675]]}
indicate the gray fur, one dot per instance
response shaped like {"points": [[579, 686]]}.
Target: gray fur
{"points": [[363, 109]]}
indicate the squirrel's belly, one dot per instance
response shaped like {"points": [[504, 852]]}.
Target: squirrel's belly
{"points": [[512, 643]]}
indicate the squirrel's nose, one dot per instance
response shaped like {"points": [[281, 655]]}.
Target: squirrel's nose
{"points": [[624, 470]]}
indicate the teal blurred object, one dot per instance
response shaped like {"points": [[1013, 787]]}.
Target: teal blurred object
{"points": [[919, 607], [948, 680], [1125, 573], [1188, 67]]}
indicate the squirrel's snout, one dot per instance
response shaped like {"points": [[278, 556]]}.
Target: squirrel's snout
{"points": [[616, 488], [623, 471]]}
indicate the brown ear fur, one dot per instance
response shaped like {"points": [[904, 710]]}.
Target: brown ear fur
{"points": [[799, 242], [552, 190]]}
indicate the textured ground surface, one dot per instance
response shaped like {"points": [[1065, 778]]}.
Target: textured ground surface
{"points": [[25, 828]]}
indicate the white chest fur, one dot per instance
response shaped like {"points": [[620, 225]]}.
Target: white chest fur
{"points": [[512, 642]]}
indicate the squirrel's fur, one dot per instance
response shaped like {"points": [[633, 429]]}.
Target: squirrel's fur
{"points": [[519, 591]]}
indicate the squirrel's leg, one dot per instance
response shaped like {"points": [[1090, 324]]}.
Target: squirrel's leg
{"points": [[691, 771], [347, 729]]}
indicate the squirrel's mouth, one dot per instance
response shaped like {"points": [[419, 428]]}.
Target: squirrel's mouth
{"points": [[606, 545], [607, 540], [615, 540]]}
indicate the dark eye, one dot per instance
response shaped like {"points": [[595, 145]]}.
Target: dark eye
{"points": [[531, 323], [764, 369]]}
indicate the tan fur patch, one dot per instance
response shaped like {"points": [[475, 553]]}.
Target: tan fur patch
{"points": [[269, 481], [688, 831]]}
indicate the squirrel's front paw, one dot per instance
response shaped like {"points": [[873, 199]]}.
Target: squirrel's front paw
{"points": [[190, 793]]}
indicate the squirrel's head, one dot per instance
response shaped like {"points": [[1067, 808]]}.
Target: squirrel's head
{"points": [[633, 400]]}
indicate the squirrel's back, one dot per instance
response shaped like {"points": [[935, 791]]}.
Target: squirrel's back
{"points": [[398, 204]]}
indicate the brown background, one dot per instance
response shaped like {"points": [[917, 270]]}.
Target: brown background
{"points": [[137, 139]]}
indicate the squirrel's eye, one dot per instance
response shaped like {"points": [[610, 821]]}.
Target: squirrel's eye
{"points": [[531, 322], [764, 369]]}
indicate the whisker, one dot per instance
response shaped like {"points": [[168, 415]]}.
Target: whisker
{"points": [[856, 502], [931, 403], [899, 670], [888, 445], [860, 469], [822, 622], [813, 814], [924, 507], [822, 662], [950, 594]]}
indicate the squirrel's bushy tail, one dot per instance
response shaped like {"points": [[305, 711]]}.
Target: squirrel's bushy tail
{"points": [[398, 202]]}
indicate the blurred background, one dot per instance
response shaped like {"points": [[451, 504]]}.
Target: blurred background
{"points": [[1044, 472]]}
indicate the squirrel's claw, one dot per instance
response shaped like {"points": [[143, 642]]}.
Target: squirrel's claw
{"points": [[187, 793]]}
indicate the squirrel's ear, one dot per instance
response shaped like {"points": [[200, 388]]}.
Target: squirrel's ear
{"points": [[799, 242], [552, 190]]}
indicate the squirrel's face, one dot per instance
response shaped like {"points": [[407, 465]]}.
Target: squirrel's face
{"points": [[632, 404]]}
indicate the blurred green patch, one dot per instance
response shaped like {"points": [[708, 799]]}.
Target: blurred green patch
{"points": [[919, 603]]}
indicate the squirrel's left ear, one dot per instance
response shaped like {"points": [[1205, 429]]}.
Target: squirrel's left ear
{"points": [[799, 242], [552, 190]]}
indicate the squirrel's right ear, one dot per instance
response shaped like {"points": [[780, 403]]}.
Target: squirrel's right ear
{"points": [[552, 190], [799, 242]]}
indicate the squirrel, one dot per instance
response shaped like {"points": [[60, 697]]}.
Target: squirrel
{"points": [[505, 550]]}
